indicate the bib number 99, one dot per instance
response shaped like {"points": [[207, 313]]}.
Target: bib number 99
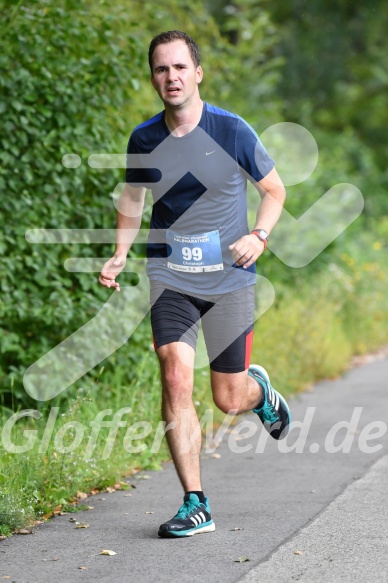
{"points": [[192, 254]]}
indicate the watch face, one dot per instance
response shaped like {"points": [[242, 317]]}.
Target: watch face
{"points": [[263, 234]]}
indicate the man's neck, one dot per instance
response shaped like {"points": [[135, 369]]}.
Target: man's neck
{"points": [[182, 121]]}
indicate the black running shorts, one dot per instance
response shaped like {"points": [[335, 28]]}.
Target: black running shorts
{"points": [[227, 323]]}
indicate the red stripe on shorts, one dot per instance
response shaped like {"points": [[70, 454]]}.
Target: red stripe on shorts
{"points": [[248, 348]]}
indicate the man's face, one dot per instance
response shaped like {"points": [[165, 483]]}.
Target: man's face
{"points": [[174, 75]]}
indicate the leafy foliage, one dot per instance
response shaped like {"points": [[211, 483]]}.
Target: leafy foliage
{"points": [[334, 78], [62, 72]]}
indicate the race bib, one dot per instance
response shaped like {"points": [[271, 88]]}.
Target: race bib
{"points": [[195, 253]]}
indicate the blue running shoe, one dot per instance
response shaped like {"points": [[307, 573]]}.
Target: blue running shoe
{"points": [[193, 517], [274, 413]]}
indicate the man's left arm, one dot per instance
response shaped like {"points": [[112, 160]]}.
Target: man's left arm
{"points": [[273, 194]]}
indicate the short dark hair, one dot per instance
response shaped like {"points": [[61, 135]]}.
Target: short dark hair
{"points": [[170, 36]]}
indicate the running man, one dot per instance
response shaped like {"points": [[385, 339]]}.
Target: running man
{"points": [[201, 258]]}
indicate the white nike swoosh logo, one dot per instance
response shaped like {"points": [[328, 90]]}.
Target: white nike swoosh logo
{"points": [[208, 153]]}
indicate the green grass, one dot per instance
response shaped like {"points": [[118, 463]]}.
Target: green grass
{"points": [[312, 331], [37, 481]]}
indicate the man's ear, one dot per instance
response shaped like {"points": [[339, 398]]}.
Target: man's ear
{"points": [[199, 74], [152, 81]]}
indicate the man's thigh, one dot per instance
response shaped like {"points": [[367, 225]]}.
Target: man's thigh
{"points": [[175, 316], [228, 331]]}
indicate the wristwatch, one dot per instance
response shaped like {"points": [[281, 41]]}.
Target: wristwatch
{"points": [[262, 235]]}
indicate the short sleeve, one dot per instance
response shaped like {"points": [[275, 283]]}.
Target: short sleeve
{"points": [[252, 156], [137, 172]]}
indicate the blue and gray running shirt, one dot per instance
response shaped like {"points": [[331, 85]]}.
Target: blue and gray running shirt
{"points": [[198, 185]]}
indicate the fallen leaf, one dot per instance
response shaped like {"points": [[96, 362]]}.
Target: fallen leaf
{"points": [[82, 526], [81, 495], [237, 528], [241, 560], [23, 531], [109, 489], [110, 553], [150, 513], [3, 537], [61, 513], [82, 567], [52, 559], [298, 553], [216, 456], [72, 519], [6, 576], [126, 495]]}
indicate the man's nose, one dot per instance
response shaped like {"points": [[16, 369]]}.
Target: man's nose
{"points": [[171, 74]]}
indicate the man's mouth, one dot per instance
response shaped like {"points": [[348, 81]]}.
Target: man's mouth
{"points": [[173, 90]]}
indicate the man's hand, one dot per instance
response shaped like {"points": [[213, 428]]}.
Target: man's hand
{"points": [[111, 270], [246, 250]]}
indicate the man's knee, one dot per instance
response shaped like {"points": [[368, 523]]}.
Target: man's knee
{"points": [[229, 398], [228, 403], [176, 377], [229, 391]]}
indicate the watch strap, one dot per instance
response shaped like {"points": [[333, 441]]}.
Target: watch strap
{"points": [[258, 232], [262, 239]]}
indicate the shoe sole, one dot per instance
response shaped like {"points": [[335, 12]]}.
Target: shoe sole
{"points": [[203, 529]]}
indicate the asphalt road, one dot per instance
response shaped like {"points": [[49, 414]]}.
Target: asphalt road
{"points": [[312, 508]]}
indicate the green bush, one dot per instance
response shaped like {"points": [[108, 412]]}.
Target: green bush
{"points": [[63, 72]]}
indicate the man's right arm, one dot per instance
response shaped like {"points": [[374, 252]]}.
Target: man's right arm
{"points": [[130, 210]]}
